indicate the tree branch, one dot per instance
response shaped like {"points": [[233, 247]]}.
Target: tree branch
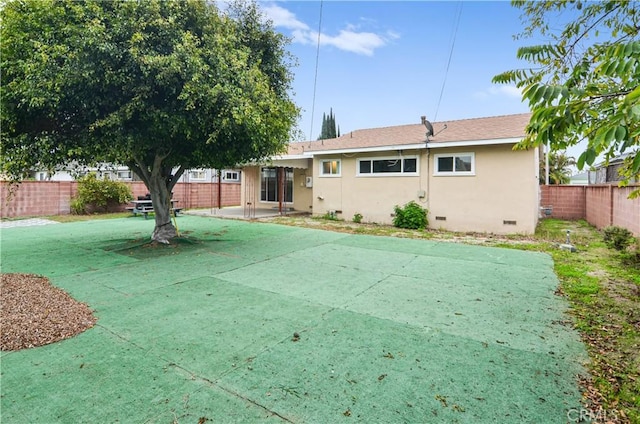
{"points": [[176, 177]]}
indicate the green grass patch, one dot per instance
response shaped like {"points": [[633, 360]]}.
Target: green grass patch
{"points": [[76, 218]]}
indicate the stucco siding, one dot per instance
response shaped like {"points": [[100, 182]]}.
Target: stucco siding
{"points": [[500, 198], [372, 196], [302, 195]]}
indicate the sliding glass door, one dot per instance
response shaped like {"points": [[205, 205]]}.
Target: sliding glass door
{"points": [[276, 184]]}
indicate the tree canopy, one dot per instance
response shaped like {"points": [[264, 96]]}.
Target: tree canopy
{"points": [[155, 85], [584, 83]]}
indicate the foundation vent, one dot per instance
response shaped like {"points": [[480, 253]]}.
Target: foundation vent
{"points": [[507, 222], [441, 218]]}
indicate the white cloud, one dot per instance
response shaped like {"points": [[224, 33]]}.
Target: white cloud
{"points": [[500, 90], [349, 39], [356, 42], [282, 17]]}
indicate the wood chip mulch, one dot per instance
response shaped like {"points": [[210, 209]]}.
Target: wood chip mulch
{"points": [[35, 313]]}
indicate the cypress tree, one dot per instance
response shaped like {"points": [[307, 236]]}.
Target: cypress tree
{"points": [[328, 126]]}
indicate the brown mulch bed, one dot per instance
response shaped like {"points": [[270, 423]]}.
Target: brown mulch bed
{"points": [[35, 313]]}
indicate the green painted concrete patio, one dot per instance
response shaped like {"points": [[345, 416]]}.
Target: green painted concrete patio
{"points": [[390, 330]]}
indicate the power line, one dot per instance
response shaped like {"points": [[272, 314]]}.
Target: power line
{"points": [[453, 43], [315, 79]]}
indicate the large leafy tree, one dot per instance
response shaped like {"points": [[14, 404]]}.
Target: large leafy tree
{"points": [[160, 86], [584, 83]]}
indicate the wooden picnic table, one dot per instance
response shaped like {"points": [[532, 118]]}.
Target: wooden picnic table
{"points": [[145, 206]]}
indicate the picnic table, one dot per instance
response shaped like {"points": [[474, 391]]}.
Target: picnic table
{"points": [[144, 206]]}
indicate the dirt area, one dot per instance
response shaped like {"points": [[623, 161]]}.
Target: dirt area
{"points": [[391, 231], [35, 313]]}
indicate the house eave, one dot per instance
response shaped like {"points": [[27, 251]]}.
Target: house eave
{"points": [[366, 149], [471, 143]]}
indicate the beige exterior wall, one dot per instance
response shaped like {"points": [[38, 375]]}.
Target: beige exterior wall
{"points": [[372, 196], [504, 188], [302, 195]]}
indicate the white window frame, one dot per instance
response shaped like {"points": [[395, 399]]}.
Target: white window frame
{"points": [[192, 177], [127, 177], [453, 173], [226, 175], [337, 174], [402, 173]]}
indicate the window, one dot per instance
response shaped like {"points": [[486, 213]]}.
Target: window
{"points": [[270, 188], [388, 166], [124, 175], [198, 175], [330, 168], [231, 176], [456, 164]]}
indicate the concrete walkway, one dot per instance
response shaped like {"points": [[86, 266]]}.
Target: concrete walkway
{"points": [[26, 222], [254, 322], [238, 212]]}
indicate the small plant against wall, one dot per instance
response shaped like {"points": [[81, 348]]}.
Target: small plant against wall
{"points": [[357, 218], [331, 216], [411, 216], [95, 194], [617, 238]]}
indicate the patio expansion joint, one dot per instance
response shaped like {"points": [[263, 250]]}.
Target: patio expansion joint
{"points": [[206, 380], [213, 383]]}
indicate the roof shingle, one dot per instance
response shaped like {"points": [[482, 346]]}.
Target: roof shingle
{"points": [[476, 129]]}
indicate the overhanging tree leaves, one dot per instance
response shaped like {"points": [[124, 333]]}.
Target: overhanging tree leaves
{"points": [[585, 83], [160, 86]]}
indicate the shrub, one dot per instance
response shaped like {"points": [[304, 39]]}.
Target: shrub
{"points": [[99, 194], [618, 238], [330, 216], [357, 218], [411, 216]]}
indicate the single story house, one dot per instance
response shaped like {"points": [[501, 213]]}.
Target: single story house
{"points": [[464, 172]]}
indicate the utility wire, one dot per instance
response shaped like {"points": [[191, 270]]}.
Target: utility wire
{"points": [[453, 43], [315, 79]]}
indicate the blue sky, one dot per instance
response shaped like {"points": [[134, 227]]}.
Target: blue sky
{"points": [[384, 63]]}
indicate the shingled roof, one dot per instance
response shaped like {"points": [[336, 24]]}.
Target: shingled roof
{"points": [[477, 130]]}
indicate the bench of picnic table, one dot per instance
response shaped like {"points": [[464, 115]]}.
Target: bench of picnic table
{"points": [[144, 207]]}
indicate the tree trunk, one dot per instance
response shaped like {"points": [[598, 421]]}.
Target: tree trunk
{"points": [[161, 198], [160, 182]]}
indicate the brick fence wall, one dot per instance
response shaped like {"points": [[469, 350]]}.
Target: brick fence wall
{"points": [[41, 198], [601, 205], [567, 202]]}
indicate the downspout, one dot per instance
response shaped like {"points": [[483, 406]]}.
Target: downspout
{"points": [[428, 175], [546, 163]]}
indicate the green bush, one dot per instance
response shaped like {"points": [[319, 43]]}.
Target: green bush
{"points": [[411, 216], [331, 216], [618, 238], [357, 218], [99, 194]]}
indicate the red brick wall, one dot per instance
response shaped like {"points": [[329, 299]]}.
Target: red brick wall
{"points": [[600, 211], [568, 202], [626, 212], [601, 205], [41, 198]]}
